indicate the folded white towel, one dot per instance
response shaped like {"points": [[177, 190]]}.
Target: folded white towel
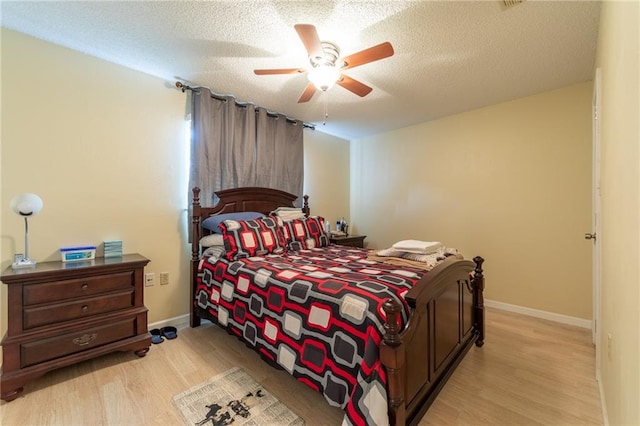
{"points": [[288, 213], [287, 209], [390, 252], [291, 216], [415, 246]]}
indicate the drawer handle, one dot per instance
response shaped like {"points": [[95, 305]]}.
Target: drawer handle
{"points": [[84, 287], [85, 339], [85, 308]]}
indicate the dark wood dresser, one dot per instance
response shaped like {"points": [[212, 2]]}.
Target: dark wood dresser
{"points": [[62, 313], [349, 240]]}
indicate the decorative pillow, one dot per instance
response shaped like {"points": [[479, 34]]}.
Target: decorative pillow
{"points": [[257, 237], [212, 240], [212, 223], [302, 234]]}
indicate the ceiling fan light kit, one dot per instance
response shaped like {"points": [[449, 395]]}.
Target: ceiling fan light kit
{"points": [[326, 65], [324, 76], [323, 72]]}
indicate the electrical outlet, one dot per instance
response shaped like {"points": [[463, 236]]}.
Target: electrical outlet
{"points": [[164, 278], [149, 279]]}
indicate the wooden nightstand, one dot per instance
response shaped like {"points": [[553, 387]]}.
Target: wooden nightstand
{"points": [[63, 313], [349, 240]]}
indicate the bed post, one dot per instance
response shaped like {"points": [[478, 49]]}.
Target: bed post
{"points": [[305, 205], [194, 320], [392, 357], [478, 299]]}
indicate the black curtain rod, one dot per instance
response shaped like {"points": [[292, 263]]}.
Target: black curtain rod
{"points": [[184, 87]]}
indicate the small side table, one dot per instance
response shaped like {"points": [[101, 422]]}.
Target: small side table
{"points": [[349, 240]]}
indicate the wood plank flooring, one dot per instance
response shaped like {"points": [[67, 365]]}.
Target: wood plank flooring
{"points": [[529, 372]]}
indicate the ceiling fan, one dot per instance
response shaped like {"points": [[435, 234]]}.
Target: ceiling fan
{"points": [[326, 64]]}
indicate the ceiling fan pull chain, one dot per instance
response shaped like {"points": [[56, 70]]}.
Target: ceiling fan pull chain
{"points": [[326, 112]]}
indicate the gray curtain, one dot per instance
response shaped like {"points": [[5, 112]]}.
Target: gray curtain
{"points": [[279, 153], [236, 145]]}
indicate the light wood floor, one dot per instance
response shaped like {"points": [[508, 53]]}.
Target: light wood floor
{"points": [[529, 372]]}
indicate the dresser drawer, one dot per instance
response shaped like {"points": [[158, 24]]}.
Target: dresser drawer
{"points": [[37, 316], [69, 289], [66, 344]]}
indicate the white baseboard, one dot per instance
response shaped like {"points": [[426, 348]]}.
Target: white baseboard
{"points": [[177, 322], [551, 316]]}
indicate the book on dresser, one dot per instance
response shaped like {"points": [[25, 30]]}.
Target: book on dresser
{"points": [[112, 248]]}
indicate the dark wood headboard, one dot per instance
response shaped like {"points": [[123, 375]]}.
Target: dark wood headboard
{"points": [[249, 199]]}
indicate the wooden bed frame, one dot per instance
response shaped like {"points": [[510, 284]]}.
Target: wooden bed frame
{"points": [[446, 319]]}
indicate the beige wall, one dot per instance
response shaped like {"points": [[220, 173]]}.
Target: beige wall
{"points": [[105, 147], [618, 53], [510, 182], [326, 170]]}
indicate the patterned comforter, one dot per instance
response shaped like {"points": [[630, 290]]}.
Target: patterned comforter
{"points": [[316, 313]]}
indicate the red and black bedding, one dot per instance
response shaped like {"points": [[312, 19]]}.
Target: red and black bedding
{"points": [[312, 308]]}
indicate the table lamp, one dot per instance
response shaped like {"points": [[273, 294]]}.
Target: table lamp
{"points": [[25, 205]]}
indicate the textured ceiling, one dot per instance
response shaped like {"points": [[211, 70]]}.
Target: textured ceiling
{"points": [[450, 56]]}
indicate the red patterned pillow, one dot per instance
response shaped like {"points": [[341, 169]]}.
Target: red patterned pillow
{"points": [[302, 234], [257, 237]]}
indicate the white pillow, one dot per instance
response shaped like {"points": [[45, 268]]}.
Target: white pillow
{"points": [[211, 240]]}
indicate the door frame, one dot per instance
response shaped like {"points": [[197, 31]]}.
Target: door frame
{"points": [[597, 242]]}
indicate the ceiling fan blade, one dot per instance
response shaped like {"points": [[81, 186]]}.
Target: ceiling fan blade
{"points": [[279, 71], [354, 86], [308, 93], [381, 51], [310, 39]]}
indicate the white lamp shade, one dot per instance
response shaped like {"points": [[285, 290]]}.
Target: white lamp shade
{"points": [[26, 204], [323, 76]]}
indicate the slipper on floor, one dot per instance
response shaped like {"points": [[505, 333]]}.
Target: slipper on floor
{"points": [[169, 332], [156, 336]]}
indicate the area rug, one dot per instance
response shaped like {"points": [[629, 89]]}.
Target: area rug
{"points": [[233, 398]]}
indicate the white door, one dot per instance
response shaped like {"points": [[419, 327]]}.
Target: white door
{"points": [[595, 235]]}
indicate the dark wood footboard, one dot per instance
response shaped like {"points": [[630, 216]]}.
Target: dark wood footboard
{"points": [[447, 317]]}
